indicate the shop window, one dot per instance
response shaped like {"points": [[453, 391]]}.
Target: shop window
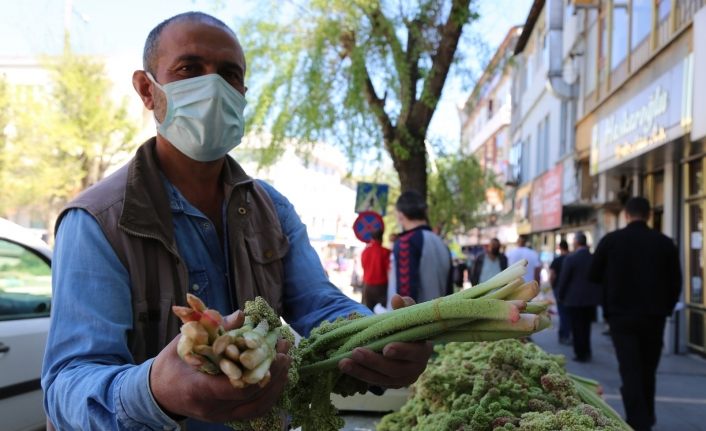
{"points": [[658, 193], [696, 179], [696, 254], [641, 21], [619, 44]]}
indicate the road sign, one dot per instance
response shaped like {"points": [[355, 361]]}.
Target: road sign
{"points": [[372, 197], [367, 223]]}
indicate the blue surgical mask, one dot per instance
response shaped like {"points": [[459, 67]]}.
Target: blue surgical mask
{"points": [[204, 118]]}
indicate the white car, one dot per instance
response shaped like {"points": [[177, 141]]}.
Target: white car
{"points": [[25, 300]]}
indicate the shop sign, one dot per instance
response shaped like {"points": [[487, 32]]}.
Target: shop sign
{"points": [[654, 116], [545, 208]]}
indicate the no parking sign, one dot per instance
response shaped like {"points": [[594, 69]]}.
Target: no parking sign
{"points": [[367, 223]]}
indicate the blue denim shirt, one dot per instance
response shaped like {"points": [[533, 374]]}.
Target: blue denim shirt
{"points": [[89, 376]]}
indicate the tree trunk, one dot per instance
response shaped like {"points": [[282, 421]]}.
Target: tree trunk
{"points": [[412, 170]]}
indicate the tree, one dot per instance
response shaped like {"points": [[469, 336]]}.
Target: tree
{"points": [[64, 139], [456, 190], [364, 73]]}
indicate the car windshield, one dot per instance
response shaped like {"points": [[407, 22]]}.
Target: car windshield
{"points": [[25, 282]]}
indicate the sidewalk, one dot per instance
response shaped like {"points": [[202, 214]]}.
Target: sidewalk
{"points": [[681, 380]]}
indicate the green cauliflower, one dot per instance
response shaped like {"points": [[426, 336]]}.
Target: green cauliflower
{"points": [[494, 386]]}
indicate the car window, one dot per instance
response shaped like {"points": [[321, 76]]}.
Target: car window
{"points": [[25, 283]]}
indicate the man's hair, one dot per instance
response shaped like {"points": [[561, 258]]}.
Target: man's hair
{"points": [[638, 207], [581, 239], [376, 235], [523, 240], [563, 245], [492, 240], [411, 203], [149, 54]]}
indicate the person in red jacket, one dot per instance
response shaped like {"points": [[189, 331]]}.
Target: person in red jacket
{"points": [[375, 261]]}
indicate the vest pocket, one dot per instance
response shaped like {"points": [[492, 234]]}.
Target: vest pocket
{"points": [[266, 251]]}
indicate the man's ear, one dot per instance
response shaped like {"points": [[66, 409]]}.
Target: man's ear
{"points": [[144, 87]]}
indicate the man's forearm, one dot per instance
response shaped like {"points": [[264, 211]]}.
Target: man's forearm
{"points": [[89, 395]]}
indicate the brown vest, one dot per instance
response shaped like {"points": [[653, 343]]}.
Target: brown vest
{"points": [[132, 209]]}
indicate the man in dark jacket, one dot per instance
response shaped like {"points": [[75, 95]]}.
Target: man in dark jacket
{"points": [[554, 273], [579, 296], [488, 264], [641, 277]]}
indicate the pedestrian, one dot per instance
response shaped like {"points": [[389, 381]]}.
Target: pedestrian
{"points": [[421, 267], [489, 263], [640, 273], [182, 216], [522, 251], [554, 273], [579, 296], [376, 265]]}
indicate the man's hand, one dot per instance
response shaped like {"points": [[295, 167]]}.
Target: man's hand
{"points": [[181, 390], [399, 365]]}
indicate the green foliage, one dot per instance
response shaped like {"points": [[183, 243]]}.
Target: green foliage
{"points": [[456, 190], [65, 138], [364, 74]]}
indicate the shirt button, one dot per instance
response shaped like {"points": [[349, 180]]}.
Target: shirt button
{"points": [[195, 287], [242, 211], [268, 254], [206, 225]]}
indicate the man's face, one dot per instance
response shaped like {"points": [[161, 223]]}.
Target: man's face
{"points": [[189, 49], [495, 247]]}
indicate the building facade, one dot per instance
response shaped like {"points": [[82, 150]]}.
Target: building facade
{"points": [[485, 135], [635, 126], [618, 76], [549, 203]]}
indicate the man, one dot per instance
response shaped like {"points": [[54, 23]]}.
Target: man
{"points": [[534, 266], [488, 264], [641, 278], [554, 273], [375, 260], [579, 296], [183, 217], [421, 267]]}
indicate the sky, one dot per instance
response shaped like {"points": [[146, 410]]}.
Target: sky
{"points": [[118, 28]]}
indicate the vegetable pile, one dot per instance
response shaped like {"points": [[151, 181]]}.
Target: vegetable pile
{"points": [[503, 385], [497, 309], [243, 354]]}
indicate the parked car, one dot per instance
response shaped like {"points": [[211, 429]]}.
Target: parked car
{"points": [[25, 301]]}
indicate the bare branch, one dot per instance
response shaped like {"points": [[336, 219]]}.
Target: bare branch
{"points": [[450, 33]]}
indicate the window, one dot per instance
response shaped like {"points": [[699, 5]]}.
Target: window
{"points": [[525, 170], [562, 133], [516, 162], [25, 283], [641, 21], [602, 47], [543, 145], [591, 58], [664, 7], [540, 149], [619, 43]]}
